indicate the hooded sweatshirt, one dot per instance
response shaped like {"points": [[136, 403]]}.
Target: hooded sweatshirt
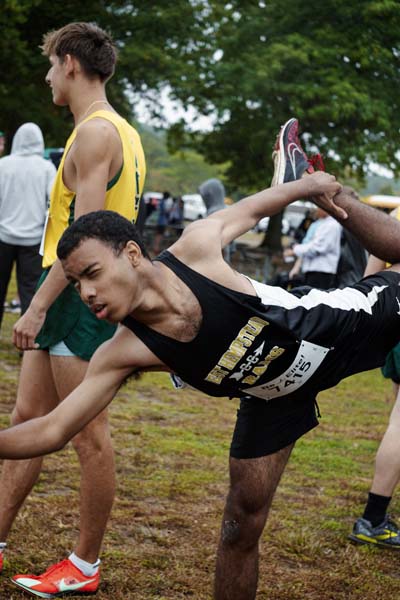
{"points": [[213, 193], [25, 183]]}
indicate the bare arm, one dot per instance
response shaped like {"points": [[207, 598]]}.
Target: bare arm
{"points": [[295, 270], [377, 231], [110, 365], [374, 265], [51, 432], [243, 216], [91, 157]]}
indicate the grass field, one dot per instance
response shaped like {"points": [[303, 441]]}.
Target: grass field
{"points": [[172, 450]]}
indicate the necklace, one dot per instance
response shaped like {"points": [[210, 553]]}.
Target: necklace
{"points": [[90, 106]]}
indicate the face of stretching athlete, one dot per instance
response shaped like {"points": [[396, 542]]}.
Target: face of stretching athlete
{"points": [[106, 281]]}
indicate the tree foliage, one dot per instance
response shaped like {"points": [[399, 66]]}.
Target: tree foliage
{"points": [[153, 39], [180, 173], [252, 64], [334, 65]]}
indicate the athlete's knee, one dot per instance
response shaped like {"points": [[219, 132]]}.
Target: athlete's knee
{"points": [[243, 522], [242, 532], [94, 439], [24, 411]]}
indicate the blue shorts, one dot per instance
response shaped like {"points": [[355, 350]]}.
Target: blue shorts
{"points": [[60, 349]]}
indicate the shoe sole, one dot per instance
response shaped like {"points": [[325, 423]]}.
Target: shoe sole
{"points": [[279, 174], [59, 595], [357, 540]]}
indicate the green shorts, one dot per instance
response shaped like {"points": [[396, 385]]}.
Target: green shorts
{"points": [[391, 368], [70, 321]]}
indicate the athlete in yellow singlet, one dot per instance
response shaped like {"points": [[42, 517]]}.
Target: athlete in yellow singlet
{"points": [[123, 191], [103, 167], [68, 320]]}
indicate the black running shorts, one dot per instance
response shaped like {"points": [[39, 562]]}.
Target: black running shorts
{"points": [[361, 327]]}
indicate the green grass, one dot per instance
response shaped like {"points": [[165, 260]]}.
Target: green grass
{"points": [[172, 455]]}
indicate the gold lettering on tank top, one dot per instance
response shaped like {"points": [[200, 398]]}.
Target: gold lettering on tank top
{"points": [[263, 365], [237, 350]]}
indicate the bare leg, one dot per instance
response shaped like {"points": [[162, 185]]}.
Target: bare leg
{"points": [[96, 456], [36, 396], [378, 232], [387, 462], [253, 485]]}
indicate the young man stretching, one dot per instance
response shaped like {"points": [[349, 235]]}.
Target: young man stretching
{"points": [[102, 167], [274, 349]]}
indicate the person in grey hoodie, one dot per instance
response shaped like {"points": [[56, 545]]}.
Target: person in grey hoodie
{"points": [[25, 183], [212, 192]]}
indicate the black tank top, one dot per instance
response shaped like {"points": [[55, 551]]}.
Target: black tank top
{"points": [[241, 343]]}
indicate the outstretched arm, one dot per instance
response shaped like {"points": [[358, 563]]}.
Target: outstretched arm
{"points": [[378, 232], [243, 216], [107, 370]]}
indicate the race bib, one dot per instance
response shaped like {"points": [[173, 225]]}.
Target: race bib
{"points": [[307, 360]]}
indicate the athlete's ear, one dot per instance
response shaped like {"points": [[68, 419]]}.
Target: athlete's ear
{"points": [[133, 252], [71, 64]]}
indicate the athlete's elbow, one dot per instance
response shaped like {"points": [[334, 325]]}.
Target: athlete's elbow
{"points": [[55, 438]]}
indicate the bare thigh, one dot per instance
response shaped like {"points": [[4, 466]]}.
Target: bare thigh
{"points": [[68, 373], [395, 414], [254, 481], [37, 394]]}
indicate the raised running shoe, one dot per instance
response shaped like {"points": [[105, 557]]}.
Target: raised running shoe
{"points": [[290, 160], [59, 580], [385, 535], [1, 561]]}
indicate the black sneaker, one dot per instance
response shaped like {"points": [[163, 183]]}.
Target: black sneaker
{"points": [[290, 160], [385, 535]]}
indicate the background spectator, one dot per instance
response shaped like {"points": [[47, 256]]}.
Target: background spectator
{"points": [[176, 212], [25, 183], [319, 252], [213, 193], [352, 261], [164, 205]]}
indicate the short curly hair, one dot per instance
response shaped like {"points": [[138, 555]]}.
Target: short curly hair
{"points": [[87, 42], [106, 226]]}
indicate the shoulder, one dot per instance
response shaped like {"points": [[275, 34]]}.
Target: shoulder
{"points": [[199, 233], [200, 242], [97, 126], [95, 141], [6, 159], [97, 132]]}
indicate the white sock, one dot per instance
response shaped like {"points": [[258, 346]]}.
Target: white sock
{"points": [[88, 569]]}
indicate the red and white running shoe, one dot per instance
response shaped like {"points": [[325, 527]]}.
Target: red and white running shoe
{"points": [[59, 580], [290, 160]]}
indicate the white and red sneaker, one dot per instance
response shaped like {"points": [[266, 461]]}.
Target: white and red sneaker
{"points": [[61, 579], [290, 160]]}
